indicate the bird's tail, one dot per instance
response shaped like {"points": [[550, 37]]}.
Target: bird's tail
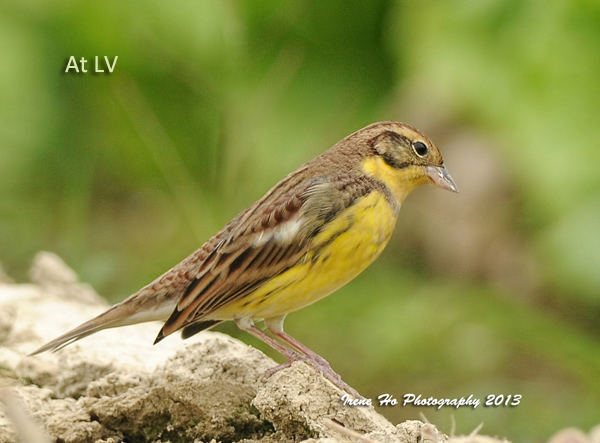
{"points": [[134, 309]]}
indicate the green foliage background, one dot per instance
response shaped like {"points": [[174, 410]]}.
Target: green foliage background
{"points": [[491, 291]]}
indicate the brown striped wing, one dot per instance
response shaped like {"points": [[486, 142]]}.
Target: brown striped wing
{"points": [[252, 249], [269, 238]]}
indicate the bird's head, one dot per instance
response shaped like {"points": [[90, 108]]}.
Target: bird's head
{"points": [[403, 158]]}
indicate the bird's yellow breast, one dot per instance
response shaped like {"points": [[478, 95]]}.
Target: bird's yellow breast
{"points": [[345, 248]]}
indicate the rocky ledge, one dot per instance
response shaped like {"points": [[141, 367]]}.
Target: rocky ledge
{"points": [[116, 386]]}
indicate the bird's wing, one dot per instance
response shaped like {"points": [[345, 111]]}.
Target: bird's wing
{"points": [[270, 237]]}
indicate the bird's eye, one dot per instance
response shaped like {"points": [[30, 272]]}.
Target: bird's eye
{"points": [[420, 149]]}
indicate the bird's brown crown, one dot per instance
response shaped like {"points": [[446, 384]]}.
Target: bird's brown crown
{"points": [[399, 145]]}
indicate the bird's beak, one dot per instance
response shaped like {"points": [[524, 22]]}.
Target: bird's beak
{"points": [[441, 178]]}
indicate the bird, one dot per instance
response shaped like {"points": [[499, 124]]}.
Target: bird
{"points": [[309, 235]]}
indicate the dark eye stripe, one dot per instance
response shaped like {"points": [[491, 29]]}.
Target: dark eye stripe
{"points": [[393, 162]]}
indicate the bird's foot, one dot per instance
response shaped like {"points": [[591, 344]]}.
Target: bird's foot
{"points": [[335, 378], [323, 367], [277, 368]]}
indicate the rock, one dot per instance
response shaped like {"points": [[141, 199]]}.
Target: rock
{"points": [[49, 268], [7, 319], [116, 386], [298, 401]]}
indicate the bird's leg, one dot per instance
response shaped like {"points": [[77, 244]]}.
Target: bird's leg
{"points": [[288, 353], [275, 326], [309, 353], [297, 351]]}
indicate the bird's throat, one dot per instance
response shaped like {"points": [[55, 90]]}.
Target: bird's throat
{"points": [[400, 181]]}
